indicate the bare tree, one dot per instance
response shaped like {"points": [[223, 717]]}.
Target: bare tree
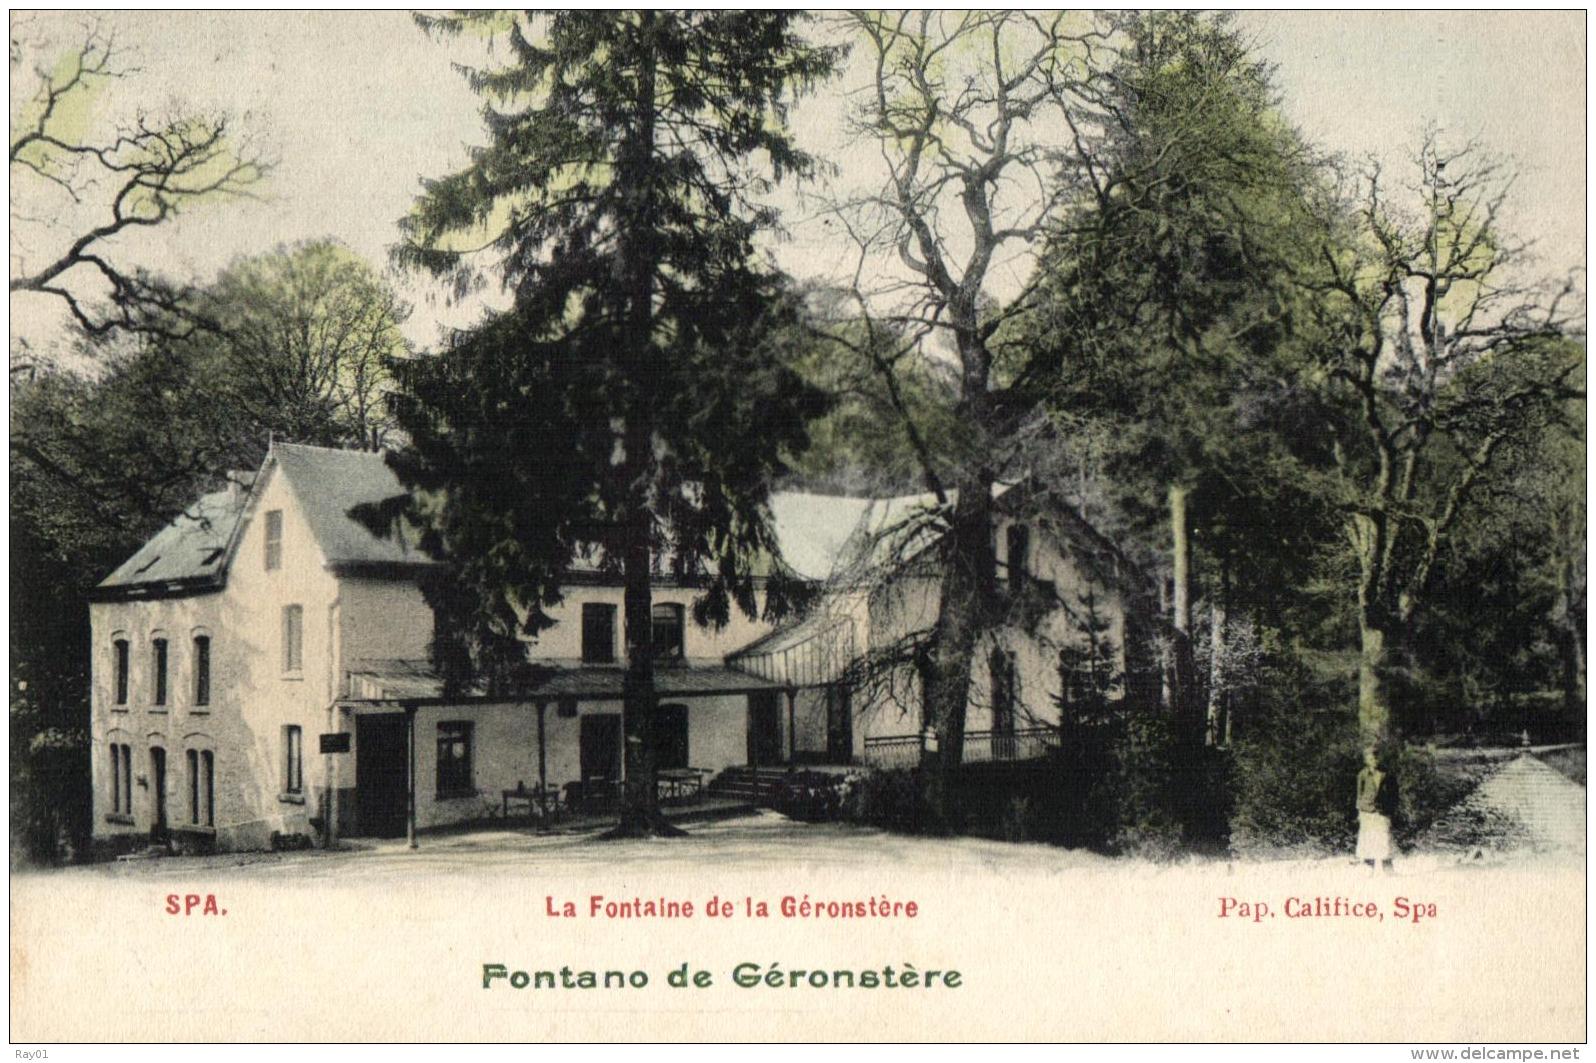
{"points": [[976, 119], [136, 176], [1447, 354]]}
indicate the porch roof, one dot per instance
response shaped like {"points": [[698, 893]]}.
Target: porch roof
{"points": [[412, 681], [810, 652]]}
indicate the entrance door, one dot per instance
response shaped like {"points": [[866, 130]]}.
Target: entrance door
{"points": [[764, 728], [839, 724], [670, 736], [601, 746], [382, 793], [158, 781]]}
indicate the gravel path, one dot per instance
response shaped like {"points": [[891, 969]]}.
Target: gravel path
{"points": [[1524, 805]]}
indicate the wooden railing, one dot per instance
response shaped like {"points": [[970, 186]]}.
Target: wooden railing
{"points": [[904, 751]]}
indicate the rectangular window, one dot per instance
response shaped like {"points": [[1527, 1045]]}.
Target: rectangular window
{"points": [[925, 670], [159, 646], [202, 669], [293, 638], [193, 787], [274, 540], [1003, 698], [454, 760], [116, 778], [208, 777], [293, 760], [1019, 544], [121, 671], [668, 625], [598, 633]]}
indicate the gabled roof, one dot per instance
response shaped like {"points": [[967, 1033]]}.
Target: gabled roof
{"points": [[189, 555], [329, 483], [828, 537], [821, 537]]}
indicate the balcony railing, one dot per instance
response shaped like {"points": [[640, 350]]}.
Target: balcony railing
{"points": [[904, 751], [893, 751]]}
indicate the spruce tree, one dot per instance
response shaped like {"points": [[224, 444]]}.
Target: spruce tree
{"points": [[633, 405]]}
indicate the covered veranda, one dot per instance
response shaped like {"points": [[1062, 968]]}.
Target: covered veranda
{"points": [[554, 748]]}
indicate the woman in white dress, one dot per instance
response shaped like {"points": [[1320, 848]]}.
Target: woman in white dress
{"points": [[1376, 803]]}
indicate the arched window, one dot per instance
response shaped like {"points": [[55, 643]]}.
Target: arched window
{"points": [[120, 648], [121, 760], [159, 659], [201, 785], [202, 667]]}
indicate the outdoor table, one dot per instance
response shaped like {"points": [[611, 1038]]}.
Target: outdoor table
{"points": [[681, 783], [531, 798]]}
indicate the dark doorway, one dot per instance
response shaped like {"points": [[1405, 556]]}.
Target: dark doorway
{"points": [[158, 781], [764, 728], [670, 736], [382, 791], [601, 746], [839, 724]]}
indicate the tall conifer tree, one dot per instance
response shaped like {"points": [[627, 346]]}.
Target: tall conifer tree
{"points": [[632, 407]]}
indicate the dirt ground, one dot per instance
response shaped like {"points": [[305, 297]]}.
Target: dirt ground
{"points": [[1521, 809]]}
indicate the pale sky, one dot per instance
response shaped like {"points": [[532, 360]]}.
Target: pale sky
{"points": [[357, 107]]}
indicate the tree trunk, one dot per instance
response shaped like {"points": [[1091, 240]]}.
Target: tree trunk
{"points": [[1217, 723], [1570, 627], [967, 586], [1374, 629], [1374, 707], [1183, 663], [640, 814]]}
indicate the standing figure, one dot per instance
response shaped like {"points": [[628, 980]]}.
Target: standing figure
{"points": [[1376, 804]]}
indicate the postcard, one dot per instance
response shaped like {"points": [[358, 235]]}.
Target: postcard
{"points": [[767, 526]]}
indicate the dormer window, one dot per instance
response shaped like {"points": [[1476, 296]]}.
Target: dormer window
{"points": [[274, 540]]}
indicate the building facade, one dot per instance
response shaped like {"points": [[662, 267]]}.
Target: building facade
{"points": [[261, 668]]}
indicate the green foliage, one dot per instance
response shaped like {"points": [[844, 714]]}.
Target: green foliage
{"points": [[105, 454], [1088, 669], [638, 399], [893, 798], [1295, 775], [1168, 314], [301, 345]]}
